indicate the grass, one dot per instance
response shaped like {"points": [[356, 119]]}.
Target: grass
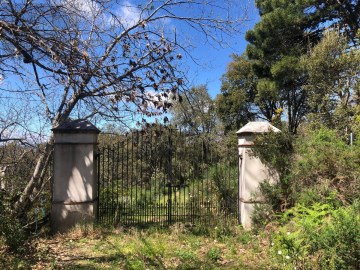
{"points": [[177, 247]]}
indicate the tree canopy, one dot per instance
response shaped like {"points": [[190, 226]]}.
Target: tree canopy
{"points": [[287, 31], [235, 105], [195, 113], [333, 82]]}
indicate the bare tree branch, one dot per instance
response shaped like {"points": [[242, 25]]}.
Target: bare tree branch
{"points": [[101, 58]]}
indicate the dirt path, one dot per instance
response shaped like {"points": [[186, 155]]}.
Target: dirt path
{"points": [[61, 252]]}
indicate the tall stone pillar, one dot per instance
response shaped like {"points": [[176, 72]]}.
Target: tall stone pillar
{"points": [[251, 170], [75, 176]]}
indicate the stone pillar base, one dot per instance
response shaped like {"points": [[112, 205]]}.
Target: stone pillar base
{"points": [[246, 211], [66, 216]]}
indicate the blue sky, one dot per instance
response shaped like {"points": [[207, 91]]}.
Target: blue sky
{"points": [[213, 61]]}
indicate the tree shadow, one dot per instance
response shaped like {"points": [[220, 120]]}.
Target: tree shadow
{"points": [[155, 259], [118, 260], [92, 263]]}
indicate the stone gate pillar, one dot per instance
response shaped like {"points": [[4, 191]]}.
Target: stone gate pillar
{"points": [[75, 177], [251, 170]]}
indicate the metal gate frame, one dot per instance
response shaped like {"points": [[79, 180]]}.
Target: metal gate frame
{"points": [[162, 176]]}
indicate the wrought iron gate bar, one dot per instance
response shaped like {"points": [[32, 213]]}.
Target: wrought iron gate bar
{"points": [[161, 176]]}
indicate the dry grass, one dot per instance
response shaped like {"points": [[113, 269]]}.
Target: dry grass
{"points": [[175, 248]]}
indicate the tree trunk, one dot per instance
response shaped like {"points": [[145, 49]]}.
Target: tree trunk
{"points": [[36, 180]]}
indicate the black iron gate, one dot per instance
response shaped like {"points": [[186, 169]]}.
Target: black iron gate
{"points": [[162, 176]]}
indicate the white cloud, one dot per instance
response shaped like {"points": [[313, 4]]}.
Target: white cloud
{"points": [[127, 14], [86, 8], [156, 96]]}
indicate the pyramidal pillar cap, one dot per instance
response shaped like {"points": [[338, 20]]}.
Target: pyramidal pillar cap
{"points": [[257, 127], [76, 126]]}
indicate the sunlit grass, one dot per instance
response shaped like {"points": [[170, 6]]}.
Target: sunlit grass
{"points": [[177, 247]]}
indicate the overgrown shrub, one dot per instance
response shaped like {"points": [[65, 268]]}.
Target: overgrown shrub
{"points": [[11, 230], [262, 215], [327, 163], [320, 193], [318, 237], [276, 151], [317, 166]]}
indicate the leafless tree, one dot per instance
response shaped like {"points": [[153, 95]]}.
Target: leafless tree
{"points": [[103, 58], [14, 149]]}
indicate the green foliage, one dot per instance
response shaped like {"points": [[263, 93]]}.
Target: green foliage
{"points": [[195, 113], [275, 44], [238, 90], [11, 230], [135, 174], [341, 241], [333, 81], [318, 237], [220, 229], [225, 186], [320, 193], [287, 31], [326, 163], [185, 255], [262, 215], [188, 259], [276, 151], [317, 166], [214, 254]]}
